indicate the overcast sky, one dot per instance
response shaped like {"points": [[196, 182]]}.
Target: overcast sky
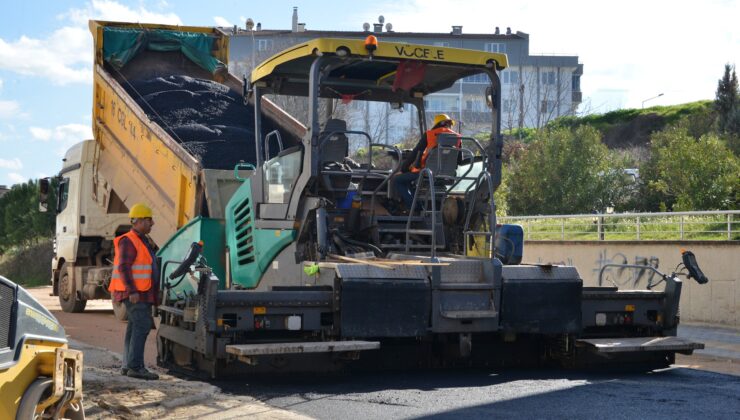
{"points": [[631, 51]]}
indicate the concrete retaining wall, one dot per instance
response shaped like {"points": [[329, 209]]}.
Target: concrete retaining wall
{"points": [[717, 302]]}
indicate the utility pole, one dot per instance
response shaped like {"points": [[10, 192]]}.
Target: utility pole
{"points": [[250, 28]]}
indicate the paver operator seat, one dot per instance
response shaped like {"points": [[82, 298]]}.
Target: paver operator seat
{"points": [[442, 161], [335, 174]]}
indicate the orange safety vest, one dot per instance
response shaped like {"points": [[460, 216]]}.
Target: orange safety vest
{"points": [[141, 269], [432, 143]]}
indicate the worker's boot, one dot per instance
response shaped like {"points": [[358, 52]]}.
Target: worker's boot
{"points": [[142, 373]]}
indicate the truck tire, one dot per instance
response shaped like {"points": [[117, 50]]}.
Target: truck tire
{"points": [[68, 292], [38, 391], [119, 310]]}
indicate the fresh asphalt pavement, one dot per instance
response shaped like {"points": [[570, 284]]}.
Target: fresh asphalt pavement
{"points": [[674, 393], [706, 384]]}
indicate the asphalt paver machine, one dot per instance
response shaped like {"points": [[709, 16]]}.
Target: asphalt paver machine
{"points": [[315, 266]]}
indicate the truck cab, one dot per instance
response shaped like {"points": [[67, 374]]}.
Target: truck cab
{"points": [[89, 216]]}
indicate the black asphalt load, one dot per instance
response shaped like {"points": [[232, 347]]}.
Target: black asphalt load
{"points": [[207, 118]]}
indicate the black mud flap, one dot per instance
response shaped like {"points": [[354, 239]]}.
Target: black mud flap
{"points": [[608, 346], [385, 308]]}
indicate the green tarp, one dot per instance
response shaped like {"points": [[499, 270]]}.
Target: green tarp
{"points": [[120, 45]]}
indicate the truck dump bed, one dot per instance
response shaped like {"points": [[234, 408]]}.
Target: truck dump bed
{"points": [[170, 121]]}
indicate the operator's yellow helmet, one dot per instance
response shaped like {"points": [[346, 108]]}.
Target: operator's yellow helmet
{"points": [[139, 211], [442, 117]]}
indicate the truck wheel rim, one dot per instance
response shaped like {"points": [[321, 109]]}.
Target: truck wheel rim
{"points": [[64, 291]]}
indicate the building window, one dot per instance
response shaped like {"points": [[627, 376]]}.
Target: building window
{"points": [[509, 105], [576, 83], [477, 78], [495, 47], [547, 77], [441, 103], [441, 44], [510, 77], [264, 44], [547, 106]]}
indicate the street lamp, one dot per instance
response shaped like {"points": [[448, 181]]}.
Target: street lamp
{"points": [[650, 99]]}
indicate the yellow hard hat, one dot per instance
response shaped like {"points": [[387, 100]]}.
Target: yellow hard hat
{"points": [[139, 211], [442, 117]]}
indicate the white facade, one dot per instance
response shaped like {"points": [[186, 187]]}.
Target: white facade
{"points": [[535, 89]]}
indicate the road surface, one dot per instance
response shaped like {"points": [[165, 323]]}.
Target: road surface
{"points": [[705, 385]]}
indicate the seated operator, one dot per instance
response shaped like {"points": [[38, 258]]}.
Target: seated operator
{"points": [[409, 170]]}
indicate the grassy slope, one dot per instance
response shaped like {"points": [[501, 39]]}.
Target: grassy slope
{"points": [[604, 122], [632, 127], [628, 127]]}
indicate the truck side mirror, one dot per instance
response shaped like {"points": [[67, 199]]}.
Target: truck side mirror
{"points": [[44, 195], [247, 89]]}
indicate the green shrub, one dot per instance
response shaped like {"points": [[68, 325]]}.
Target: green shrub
{"points": [[685, 173], [565, 171]]}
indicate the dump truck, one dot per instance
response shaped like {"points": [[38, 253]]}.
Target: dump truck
{"points": [[169, 127], [40, 376], [314, 265]]}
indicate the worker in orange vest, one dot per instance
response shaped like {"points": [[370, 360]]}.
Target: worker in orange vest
{"points": [[416, 160], [134, 282]]}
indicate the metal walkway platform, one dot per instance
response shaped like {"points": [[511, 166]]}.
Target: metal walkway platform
{"points": [[636, 344], [300, 347]]}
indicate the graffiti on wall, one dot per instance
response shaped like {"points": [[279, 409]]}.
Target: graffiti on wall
{"points": [[567, 261], [624, 276]]}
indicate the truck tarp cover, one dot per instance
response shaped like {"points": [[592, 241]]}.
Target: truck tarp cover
{"points": [[120, 45]]}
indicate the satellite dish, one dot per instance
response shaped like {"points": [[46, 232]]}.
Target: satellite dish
{"points": [[366, 26], [250, 24], [388, 27], [381, 19]]}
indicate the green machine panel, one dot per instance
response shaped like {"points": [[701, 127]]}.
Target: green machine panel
{"points": [[251, 250], [211, 232]]}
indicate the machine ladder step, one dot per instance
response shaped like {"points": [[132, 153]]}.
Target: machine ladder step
{"points": [[484, 314], [398, 219], [410, 231], [465, 286], [639, 344]]}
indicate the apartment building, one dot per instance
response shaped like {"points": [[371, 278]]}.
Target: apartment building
{"points": [[535, 88]]}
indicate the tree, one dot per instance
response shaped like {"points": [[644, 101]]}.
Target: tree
{"points": [[727, 102], [21, 223], [684, 173], [565, 171]]}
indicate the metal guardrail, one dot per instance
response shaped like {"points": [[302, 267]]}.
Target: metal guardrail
{"points": [[694, 225]]}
